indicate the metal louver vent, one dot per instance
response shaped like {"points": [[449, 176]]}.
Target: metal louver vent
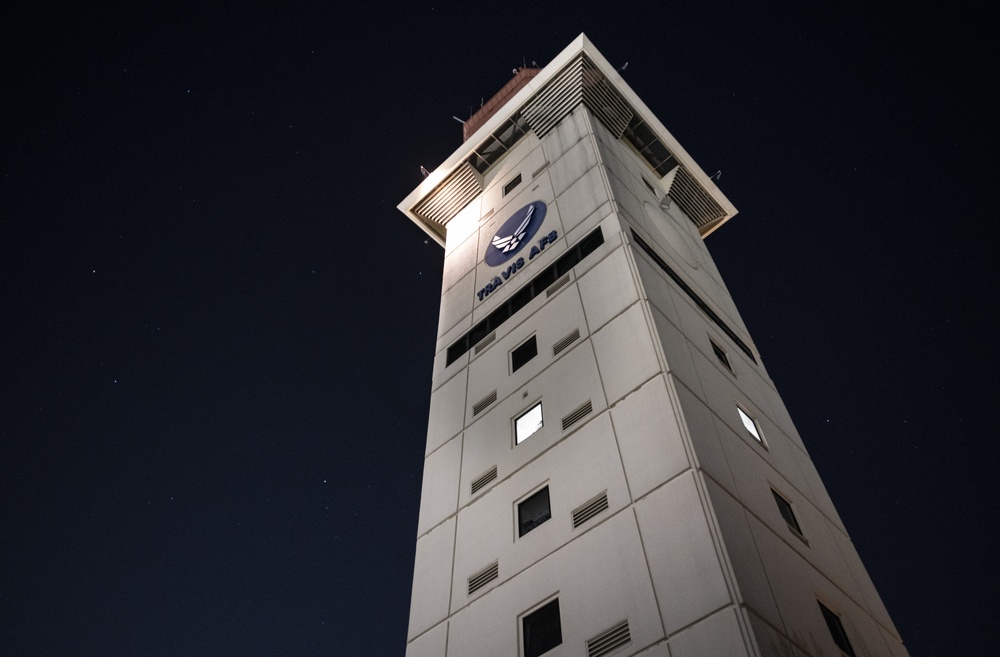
{"points": [[565, 342], [485, 342], [480, 482], [577, 415], [555, 286], [609, 641], [483, 403], [556, 99], [604, 101], [485, 576], [449, 197], [695, 201], [590, 508]]}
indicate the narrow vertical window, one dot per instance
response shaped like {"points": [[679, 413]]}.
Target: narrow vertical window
{"points": [[533, 511], [837, 630], [523, 353], [787, 512], [528, 423], [541, 630], [751, 425], [721, 355]]}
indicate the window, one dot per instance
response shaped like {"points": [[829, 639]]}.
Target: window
{"points": [[837, 630], [786, 512], [533, 511], [751, 425], [542, 630], [528, 423], [512, 184], [721, 355], [522, 354]]}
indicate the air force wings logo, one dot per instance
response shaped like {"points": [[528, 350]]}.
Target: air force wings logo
{"points": [[515, 233]]}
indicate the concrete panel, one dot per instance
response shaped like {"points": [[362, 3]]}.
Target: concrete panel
{"points": [[459, 263], [685, 568], [462, 226], [607, 289], [770, 642], [566, 134], [751, 578], [571, 166], [456, 303], [709, 454], [431, 578], [429, 644], [649, 438], [439, 492], [654, 284], [583, 197], [447, 414], [625, 353], [677, 351], [582, 226], [719, 634]]}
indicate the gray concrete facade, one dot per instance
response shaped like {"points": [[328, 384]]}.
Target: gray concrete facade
{"points": [[714, 541]]}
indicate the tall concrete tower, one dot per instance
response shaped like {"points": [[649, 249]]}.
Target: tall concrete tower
{"points": [[609, 469]]}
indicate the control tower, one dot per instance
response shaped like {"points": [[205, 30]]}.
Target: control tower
{"points": [[609, 469]]}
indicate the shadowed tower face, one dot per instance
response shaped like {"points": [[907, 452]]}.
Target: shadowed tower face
{"points": [[609, 469]]}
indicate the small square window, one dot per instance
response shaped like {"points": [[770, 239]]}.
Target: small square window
{"points": [[528, 423], [787, 512], [721, 355], [751, 425], [837, 630], [522, 354], [533, 511], [542, 630], [512, 184]]}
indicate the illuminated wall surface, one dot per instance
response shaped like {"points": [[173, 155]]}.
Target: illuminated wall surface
{"points": [[609, 469]]}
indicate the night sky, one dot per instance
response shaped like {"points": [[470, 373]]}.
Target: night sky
{"points": [[218, 331]]}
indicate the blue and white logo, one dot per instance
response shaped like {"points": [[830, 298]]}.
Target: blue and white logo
{"points": [[515, 233]]}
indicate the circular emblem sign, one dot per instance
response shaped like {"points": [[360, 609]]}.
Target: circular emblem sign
{"points": [[515, 233]]}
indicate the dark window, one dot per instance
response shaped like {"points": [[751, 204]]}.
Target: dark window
{"points": [[837, 630], [523, 354], [520, 299], [512, 184], [542, 630], [786, 512], [721, 355], [533, 511]]}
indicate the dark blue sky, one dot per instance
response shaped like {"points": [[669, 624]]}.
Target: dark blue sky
{"points": [[218, 330]]}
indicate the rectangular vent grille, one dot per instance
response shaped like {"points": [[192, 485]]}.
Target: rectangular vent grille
{"points": [[590, 509], [565, 342], [604, 101], [487, 575], [577, 415], [609, 641], [483, 403], [485, 342], [555, 286], [557, 99], [479, 483]]}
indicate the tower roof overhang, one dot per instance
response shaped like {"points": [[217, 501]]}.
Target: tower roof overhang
{"points": [[579, 74]]}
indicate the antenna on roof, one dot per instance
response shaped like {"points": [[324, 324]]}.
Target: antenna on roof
{"points": [[459, 120], [424, 172], [623, 67], [716, 176]]}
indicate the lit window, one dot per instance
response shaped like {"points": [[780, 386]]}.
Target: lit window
{"points": [[533, 511], [512, 184], [523, 353], [837, 630], [542, 630], [786, 512], [751, 425], [721, 355], [528, 423]]}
